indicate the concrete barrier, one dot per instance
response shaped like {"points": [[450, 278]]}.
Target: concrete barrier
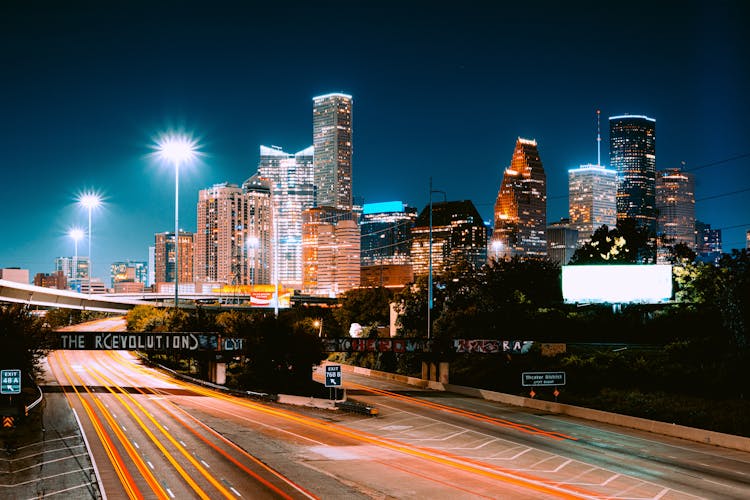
{"points": [[666, 429]]}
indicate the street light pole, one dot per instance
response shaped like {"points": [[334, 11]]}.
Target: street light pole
{"points": [[90, 201], [429, 286], [76, 234], [176, 149]]}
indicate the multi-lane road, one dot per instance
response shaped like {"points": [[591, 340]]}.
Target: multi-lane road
{"points": [[144, 434]]}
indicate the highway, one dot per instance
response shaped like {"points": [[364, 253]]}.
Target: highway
{"points": [[151, 436]]}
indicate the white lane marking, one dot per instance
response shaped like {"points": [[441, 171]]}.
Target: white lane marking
{"points": [[170, 493], [136, 445], [235, 491], [204, 463], [150, 464]]}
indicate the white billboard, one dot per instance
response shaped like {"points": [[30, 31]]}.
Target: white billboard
{"points": [[617, 284]]}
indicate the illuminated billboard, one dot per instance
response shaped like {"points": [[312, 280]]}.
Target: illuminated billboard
{"points": [[256, 295], [617, 284]]}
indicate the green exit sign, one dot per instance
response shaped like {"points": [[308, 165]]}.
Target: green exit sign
{"points": [[11, 381]]}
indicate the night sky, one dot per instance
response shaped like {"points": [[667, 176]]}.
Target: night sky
{"points": [[440, 90]]}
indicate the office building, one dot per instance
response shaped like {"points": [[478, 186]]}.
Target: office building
{"points": [[164, 258], [675, 206], [632, 153], [332, 142], [292, 192], [258, 235], [592, 199], [15, 274], [562, 241], [330, 251], [75, 269], [521, 206], [129, 272], [55, 280], [708, 243], [458, 234], [386, 244]]}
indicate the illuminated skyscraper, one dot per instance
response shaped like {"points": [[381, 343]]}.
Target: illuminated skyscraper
{"points": [[458, 233], [331, 251], [632, 153], [164, 258], [257, 239], [229, 217], [708, 242], [386, 233], [521, 206], [293, 192], [332, 142], [675, 205], [592, 194]]}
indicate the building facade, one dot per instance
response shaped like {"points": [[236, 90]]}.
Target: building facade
{"points": [[562, 241], [164, 258], [259, 233], [129, 272], [458, 233], [708, 243], [331, 251], [632, 153], [75, 269], [521, 207], [332, 143], [592, 200], [293, 192], [675, 206]]}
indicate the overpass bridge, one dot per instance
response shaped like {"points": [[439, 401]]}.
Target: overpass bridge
{"points": [[11, 291]]}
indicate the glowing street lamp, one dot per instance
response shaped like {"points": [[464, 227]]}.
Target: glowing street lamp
{"points": [[318, 323], [77, 234], [90, 201], [176, 149]]}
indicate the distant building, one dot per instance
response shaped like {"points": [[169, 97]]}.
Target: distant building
{"points": [[15, 274], [458, 232], [747, 240], [164, 258], [675, 207], [632, 153], [151, 266], [55, 280], [129, 271], [332, 143], [386, 244], [708, 243], [75, 269], [95, 284], [562, 241], [293, 192], [330, 251], [521, 206], [258, 241], [592, 200]]}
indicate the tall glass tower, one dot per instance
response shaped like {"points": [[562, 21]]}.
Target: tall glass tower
{"points": [[293, 192], [332, 140], [632, 153]]}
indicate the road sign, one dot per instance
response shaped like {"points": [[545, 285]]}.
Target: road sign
{"points": [[8, 422], [333, 375], [535, 379], [11, 381]]}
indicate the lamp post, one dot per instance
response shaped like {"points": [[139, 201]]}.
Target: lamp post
{"points": [[318, 323], [176, 149], [90, 201], [76, 233], [429, 279]]}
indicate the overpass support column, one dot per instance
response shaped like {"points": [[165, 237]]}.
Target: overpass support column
{"points": [[217, 372], [443, 372]]}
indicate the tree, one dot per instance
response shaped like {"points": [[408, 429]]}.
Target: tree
{"points": [[22, 337], [627, 243], [366, 306]]}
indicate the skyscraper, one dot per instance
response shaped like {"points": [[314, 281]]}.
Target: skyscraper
{"points": [[675, 205], [332, 142], [632, 153], [386, 233], [293, 192], [521, 206], [164, 259], [592, 194], [458, 232], [258, 233], [229, 218]]}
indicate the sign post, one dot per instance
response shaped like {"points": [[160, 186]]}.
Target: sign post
{"points": [[333, 377], [543, 379]]}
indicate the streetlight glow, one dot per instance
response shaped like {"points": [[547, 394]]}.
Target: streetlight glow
{"points": [[176, 149]]}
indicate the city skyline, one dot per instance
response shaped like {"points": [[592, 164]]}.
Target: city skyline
{"points": [[438, 91]]}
